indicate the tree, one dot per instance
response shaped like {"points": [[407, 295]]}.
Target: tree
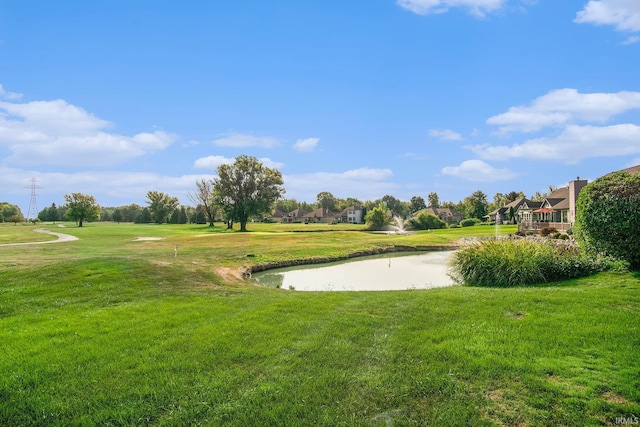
{"points": [[377, 218], [160, 205], [417, 203], [608, 217], [434, 200], [49, 214], [204, 198], [247, 188], [143, 216], [81, 207], [475, 205], [10, 211], [326, 200], [117, 215]]}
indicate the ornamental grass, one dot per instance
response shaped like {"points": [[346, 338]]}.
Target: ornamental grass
{"points": [[518, 262]]}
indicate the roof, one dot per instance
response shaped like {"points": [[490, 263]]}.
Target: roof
{"points": [[345, 212], [297, 213], [437, 212], [632, 170], [320, 213]]}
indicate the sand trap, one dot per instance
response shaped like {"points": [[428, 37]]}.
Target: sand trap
{"points": [[140, 239]]}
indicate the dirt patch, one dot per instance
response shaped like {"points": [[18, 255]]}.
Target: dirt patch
{"points": [[516, 315], [614, 398], [229, 275], [141, 239]]}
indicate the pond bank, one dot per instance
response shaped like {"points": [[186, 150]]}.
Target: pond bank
{"points": [[248, 271]]}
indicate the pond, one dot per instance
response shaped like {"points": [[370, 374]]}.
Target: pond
{"points": [[398, 271]]}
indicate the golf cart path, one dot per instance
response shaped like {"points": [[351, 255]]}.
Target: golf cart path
{"points": [[61, 238]]}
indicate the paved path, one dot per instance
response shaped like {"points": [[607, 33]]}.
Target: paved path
{"points": [[61, 238]]}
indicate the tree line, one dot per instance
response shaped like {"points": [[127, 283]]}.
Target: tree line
{"points": [[247, 190]]}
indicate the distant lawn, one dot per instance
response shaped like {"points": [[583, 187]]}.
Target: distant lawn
{"points": [[112, 331]]}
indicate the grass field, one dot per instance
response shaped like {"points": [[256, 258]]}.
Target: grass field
{"points": [[110, 330]]}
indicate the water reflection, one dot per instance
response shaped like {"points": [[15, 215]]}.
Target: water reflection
{"points": [[378, 273]]}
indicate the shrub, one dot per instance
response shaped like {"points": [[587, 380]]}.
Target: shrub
{"points": [[545, 231], [506, 263], [377, 218], [427, 221], [468, 222], [454, 225], [608, 217]]}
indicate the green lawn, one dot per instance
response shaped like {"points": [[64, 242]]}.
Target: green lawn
{"points": [[107, 330]]}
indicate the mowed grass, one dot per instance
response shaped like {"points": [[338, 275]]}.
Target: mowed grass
{"points": [[111, 331]]}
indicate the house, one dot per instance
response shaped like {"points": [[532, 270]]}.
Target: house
{"points": [[320, 215], [504, 213], [296, 215], [351, 215], [557, 210], [448, 215], [276, 216]]}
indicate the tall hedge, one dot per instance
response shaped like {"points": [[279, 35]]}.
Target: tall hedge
{"points": [[608, 217]]}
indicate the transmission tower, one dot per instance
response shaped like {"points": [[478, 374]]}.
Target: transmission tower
{"points": [[33, 203]]}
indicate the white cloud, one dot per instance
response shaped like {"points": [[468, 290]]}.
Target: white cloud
{"points": [[108, 187], [478, 171], [623, 14], [60, 134], [478, 8], [306, 145], [12, 96], [445, 134], [564, 106], [271, 164], [632, 40], [363, 183], [238, 140], [573, 144], [212, 162]]}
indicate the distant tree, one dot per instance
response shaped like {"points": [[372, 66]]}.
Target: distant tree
{"points": [[538, 197], [377, 217], [118, 216], [348, 202], [434, 200], [608, 217], [160, 205], [247, 189], [49, 214], [143, 216], [15, 219], [396, 206], [81, 207], [417, 203], [326, 200], [182, 215], [475, 205], [203, 196], [198, 217]]}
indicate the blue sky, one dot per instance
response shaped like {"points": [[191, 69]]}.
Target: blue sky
{"points": [[361, 98]]}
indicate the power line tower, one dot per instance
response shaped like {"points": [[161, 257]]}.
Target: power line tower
{"points": [[33, 203]]}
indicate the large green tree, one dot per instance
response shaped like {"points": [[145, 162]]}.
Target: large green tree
{"points": [[475, 205], [247, 188], [7, 211], [608, 216], [81, 207], [417, 203], [161, 205], [434, 200], [326, 200]]}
